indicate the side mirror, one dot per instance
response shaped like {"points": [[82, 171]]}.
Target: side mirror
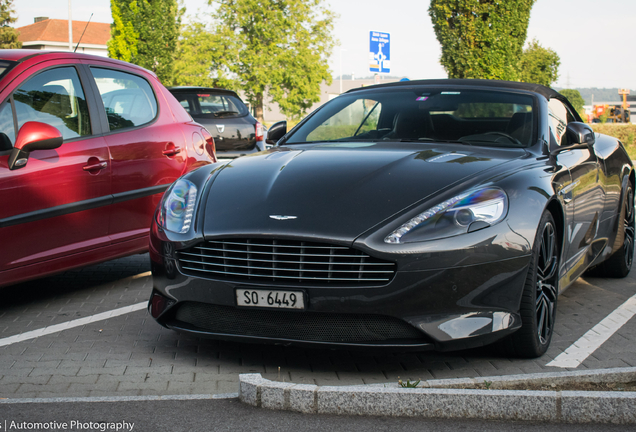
{"points": [[276, 132], [580, 136], [33, 136], [580, 133]]}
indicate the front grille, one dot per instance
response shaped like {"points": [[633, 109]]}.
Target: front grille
{"points": [[284, 261], [304, 326]]}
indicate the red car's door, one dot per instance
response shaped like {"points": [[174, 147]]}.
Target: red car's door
{"points": [[57, 204], [147, 148]]}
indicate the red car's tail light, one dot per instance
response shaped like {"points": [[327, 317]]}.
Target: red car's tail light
{"points": [[259, 131], [210, 147]]}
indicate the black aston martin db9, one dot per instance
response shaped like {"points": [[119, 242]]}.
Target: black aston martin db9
{"points": [[441, 214]]}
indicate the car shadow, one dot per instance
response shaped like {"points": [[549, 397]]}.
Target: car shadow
{"points": [[76, 280]]}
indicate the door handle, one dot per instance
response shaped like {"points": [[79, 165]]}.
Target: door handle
{"points": [[172, 151], [97, 166]]}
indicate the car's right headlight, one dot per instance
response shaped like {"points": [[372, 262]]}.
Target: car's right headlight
{"points": [[470, 211], [177, 207]]}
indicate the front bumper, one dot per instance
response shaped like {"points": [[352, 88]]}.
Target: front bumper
{"points": [[442, 309]]}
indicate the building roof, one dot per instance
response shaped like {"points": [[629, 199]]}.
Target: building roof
{"points": [[56, 30]]}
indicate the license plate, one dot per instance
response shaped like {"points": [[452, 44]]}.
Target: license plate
{"points": [[270, 298]]}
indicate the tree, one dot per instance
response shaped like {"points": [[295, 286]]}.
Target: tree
{"points": [[539, 65], [122, 44], [481, 38], [278, 47], [8, 35], [577, 101], [199, 59], [145, 33]]}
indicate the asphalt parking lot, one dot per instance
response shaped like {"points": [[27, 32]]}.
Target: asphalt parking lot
{"points": [[128, 354]]}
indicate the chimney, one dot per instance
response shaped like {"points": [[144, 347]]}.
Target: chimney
{"points": [[38, 19]]}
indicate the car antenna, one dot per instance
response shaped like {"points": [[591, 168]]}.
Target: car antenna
{"points": [[80, 39]]}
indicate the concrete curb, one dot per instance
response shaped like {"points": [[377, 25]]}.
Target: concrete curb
{"points": [[448, 402]]}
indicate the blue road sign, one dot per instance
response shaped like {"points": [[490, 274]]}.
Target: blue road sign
{"points": [[379, 52]]}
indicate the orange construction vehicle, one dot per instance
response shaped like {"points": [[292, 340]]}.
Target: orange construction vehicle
{"points": [[615, 114]]}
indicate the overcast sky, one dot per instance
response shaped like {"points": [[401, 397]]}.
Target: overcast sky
{"points": [[593, 40]]}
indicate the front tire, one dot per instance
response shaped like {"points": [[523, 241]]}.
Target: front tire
{"points": [[539, 299]]}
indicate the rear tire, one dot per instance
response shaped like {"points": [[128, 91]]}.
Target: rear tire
{"points": [[539, 299], [620, 262]]}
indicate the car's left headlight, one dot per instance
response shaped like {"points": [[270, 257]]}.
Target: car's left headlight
{"points": [[461, 214], [177, 207]]}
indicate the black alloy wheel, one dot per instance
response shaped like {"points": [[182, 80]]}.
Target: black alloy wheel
{"points": [[628, 226], [546, 285], [539, 298]]}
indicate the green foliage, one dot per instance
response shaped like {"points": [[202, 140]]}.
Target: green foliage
{"points": [[408, 383], [330, 132], [122, 44], [575, 98], [200, 57], [8, 35], [278, 47], [626, 133], [539, 65], [481, 38], [145, 33]]}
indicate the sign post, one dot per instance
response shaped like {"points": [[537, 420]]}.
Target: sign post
{"points": [[379, 52]]}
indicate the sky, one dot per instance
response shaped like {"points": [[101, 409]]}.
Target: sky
{"points": [[594, 42]]}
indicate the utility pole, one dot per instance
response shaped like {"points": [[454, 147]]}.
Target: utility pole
{"points": [[70, 28]]}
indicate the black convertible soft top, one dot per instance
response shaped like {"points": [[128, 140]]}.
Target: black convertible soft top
{"points": [[536, 88]]}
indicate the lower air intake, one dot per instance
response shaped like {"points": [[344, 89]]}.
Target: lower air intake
{"points": [[304, 326]]}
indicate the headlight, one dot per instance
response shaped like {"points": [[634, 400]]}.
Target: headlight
{"points": [[177, 207], [464, 213]]}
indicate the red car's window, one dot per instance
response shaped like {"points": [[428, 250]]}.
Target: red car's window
{"points": [[128, 99], [54, 97]]}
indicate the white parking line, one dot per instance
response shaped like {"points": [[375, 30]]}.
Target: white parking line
{"points": [[119, 398], [594, 338], [71, 324]]}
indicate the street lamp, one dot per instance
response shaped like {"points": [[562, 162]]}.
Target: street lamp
{"points": [[341, 50]]}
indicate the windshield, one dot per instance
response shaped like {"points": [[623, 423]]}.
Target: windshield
{"points": [[472, 117], [206, 104]]}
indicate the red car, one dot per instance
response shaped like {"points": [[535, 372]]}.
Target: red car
{"points": [[87, 147]]}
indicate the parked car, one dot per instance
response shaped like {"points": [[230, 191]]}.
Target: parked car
{"points": [[442, 214], [235, 131], [88, 145]]}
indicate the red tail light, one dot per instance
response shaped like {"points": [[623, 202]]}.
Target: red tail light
{"points": [[210, 147], [259, 131]]}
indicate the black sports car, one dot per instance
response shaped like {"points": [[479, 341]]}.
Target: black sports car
{"points": [[441, 214]]}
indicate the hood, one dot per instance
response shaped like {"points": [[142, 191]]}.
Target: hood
{"points": [[335, 191]]}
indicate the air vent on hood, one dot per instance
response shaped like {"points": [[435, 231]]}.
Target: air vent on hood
{"points": [[284, 262]]}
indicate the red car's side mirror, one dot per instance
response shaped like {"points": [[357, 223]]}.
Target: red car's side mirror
{"points": [[33, 136]]}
